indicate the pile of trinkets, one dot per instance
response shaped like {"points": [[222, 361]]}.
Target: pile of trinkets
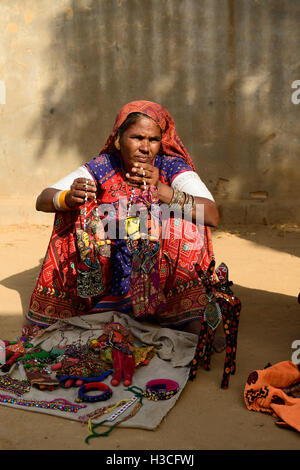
{"points": [[84, 367]]}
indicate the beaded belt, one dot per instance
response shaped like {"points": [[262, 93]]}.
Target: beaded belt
{"points": [[58, 404]]}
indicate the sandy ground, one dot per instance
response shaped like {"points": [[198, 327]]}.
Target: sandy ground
{"points": [[264, 264]]}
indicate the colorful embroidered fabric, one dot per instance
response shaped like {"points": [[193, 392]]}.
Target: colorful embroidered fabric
{"points": [[92, 248], [142, 355], [88, 368], [266, 391], [41, 379], [145, 289], [55, 294]]}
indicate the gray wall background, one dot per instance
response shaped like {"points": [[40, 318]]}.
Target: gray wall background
{"points": [[223, 68]]}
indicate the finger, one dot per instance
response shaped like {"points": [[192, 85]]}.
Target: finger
{"points": [[78, 201], [78, 193], [142, 175], [74, 201], [135, 179], [144, 170], [84, 180], [83, 195], [83, 183], [81, 192], [83, 186], [141, 172], [145, 166]]}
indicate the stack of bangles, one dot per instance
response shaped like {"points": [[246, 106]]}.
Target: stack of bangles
{"points": [[161, 389], [59, 201], [185, 201], [82, 392]]}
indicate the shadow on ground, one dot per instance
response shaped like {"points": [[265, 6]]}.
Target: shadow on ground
{"points": [[270, 322], [24, 283], [284, 238]]}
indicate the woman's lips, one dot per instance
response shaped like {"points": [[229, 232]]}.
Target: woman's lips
{"points": [[142, 159]]}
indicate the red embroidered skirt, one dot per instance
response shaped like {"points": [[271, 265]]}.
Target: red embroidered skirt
{"points": [[182, 245]]}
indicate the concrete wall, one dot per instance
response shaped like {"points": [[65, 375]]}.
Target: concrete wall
{"points": [[223, 68]]}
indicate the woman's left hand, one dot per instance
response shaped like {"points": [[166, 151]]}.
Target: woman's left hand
{"points": [[143, 172]]}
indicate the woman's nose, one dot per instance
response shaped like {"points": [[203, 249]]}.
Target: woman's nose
{"points": [[145, 146]]}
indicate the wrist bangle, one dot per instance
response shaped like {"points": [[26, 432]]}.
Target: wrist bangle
{"points": [[59, 201], [82, 392], [178, 198], [189, 205], [161, 389]]}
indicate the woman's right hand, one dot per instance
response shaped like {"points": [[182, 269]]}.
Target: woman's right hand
{"points": [[77, 193]]}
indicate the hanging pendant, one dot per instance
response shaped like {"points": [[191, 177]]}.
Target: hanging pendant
{"points": [[90, 282], [212, 314], [132, 228]]}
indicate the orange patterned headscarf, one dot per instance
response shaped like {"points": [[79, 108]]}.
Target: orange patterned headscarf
{"points": [[171, 144]]}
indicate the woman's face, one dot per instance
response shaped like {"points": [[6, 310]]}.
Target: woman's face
{"points": [[140, 143]]}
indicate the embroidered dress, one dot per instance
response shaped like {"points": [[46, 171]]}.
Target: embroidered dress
{"points": [[55, 294]]}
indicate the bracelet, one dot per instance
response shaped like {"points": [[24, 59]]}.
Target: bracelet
{"points": [[189, 205], [178, 198], [184, 200], [161, 389], [82, 396], [59, 201]]}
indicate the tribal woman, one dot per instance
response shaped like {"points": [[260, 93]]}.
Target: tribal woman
{"points": [[149, 271]]}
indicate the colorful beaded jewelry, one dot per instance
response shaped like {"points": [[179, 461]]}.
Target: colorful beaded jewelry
{"points": [[184, 201], [85, 204], [122, 409], [59, 201], [82, 396], [123, 405], [161, 389], [104, 410], [58, 404], [18, 387], [133, 412]]}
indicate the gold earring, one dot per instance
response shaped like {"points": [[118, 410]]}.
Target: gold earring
{"points": [[117, 143]]}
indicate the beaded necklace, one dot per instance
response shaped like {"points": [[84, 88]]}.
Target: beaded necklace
{"points": [[137, 398], [85, 205]]}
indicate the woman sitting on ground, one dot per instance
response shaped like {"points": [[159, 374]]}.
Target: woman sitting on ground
{"points": [[86, 270]]}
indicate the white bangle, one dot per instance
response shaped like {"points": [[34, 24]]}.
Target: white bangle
{"points": [[56, 201]]}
